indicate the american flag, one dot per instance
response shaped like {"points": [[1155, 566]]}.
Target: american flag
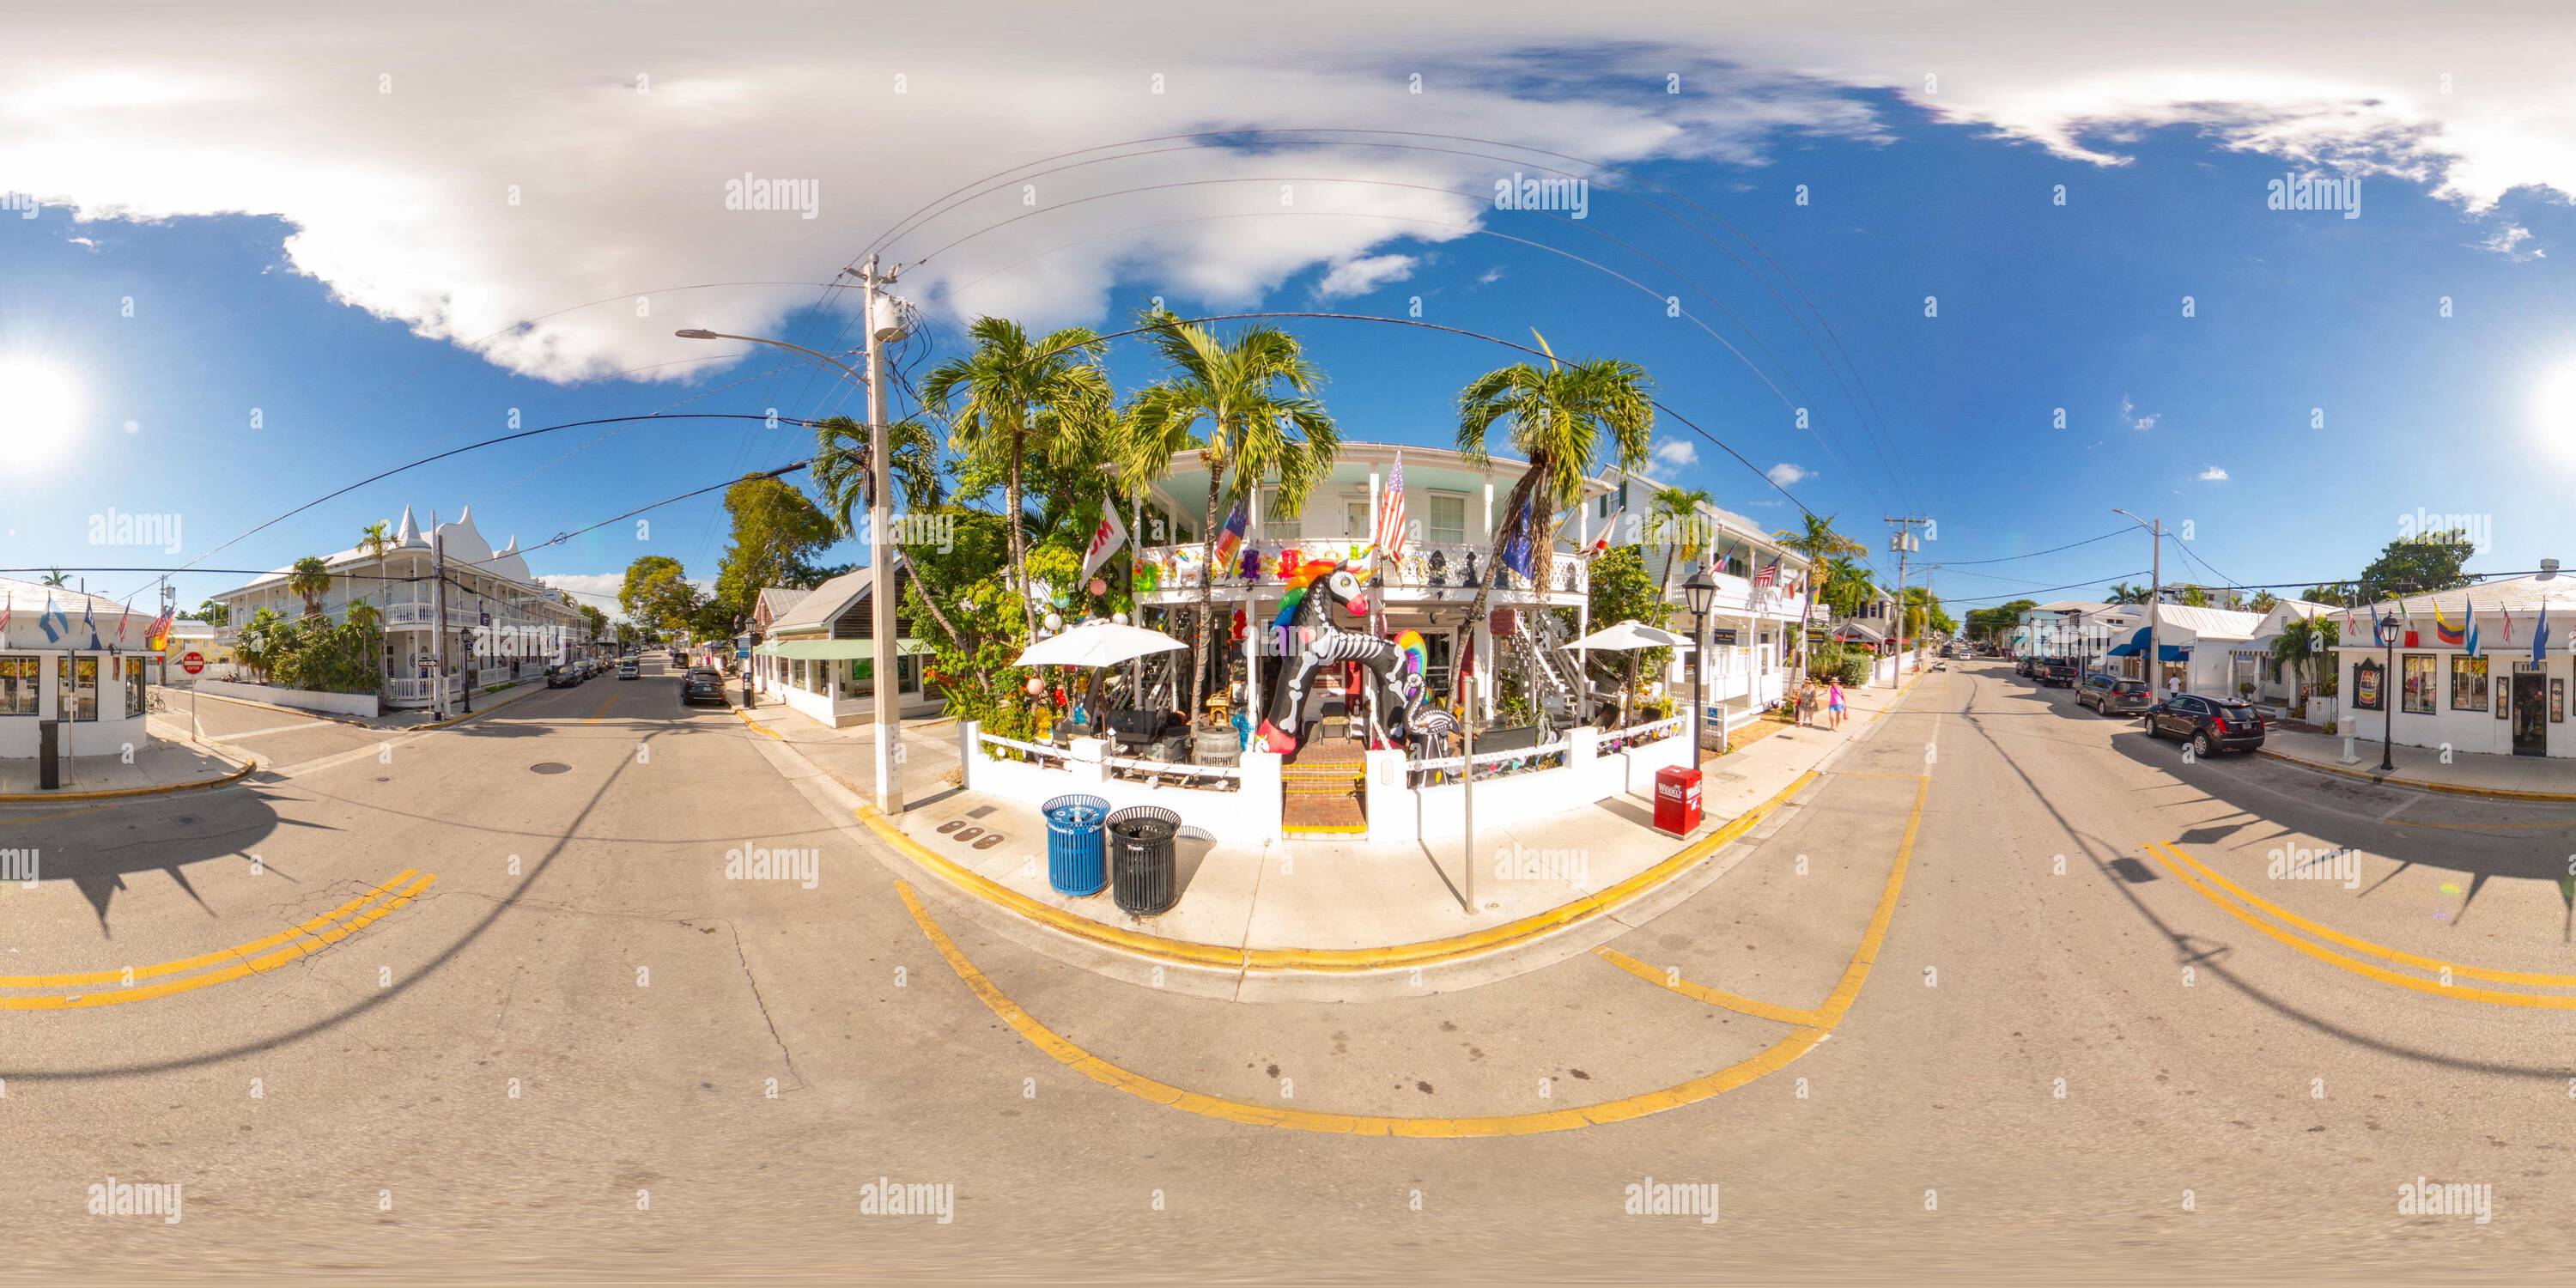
{"points": [[1770, 574], [1390, 512]]}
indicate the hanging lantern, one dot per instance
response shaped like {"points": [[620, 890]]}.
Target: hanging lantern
{"points": [[1119, 618], [1098, 586], [1054, 622]]}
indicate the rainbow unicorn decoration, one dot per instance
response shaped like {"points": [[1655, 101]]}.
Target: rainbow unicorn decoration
{"points": [[1305, 624]]}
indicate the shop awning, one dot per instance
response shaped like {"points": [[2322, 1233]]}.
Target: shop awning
{"points": [[838, 650], [2138, 644]]}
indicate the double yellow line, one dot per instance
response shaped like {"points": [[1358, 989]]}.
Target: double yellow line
{"points": [[125, 985], [2254, 910]]}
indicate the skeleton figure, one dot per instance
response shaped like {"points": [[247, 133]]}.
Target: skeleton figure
{"points": [[1306, 620]]}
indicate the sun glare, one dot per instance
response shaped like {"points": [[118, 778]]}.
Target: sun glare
{"points": [[40, 408]]}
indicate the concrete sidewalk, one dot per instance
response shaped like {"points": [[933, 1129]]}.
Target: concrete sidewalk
{"points": [[2466, 772], [1344, 908], [170, 761]]}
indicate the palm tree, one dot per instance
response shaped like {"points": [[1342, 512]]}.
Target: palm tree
{"points": [[1010, 396], [2326, 595], [1850, 585], [2194, 597], [843, 469], [2302, 638], [257, 637], [310, 580], [1255, 395], [56, 578], [1680, 508], [2263, 601], [1558, 417], [2124, 593]]}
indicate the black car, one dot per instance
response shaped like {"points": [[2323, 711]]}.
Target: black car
{"points": [[2023, 665], [2057, 673], [2211, 725], [702, 685], [561, 676]]}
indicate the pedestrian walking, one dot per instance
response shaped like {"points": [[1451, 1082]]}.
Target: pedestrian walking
{"points": [[1834, 703]]}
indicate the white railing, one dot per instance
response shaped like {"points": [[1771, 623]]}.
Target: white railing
{"points": [[1224, 776], [419, 692], [1037, 752], [1494, 764], [1418, 573]]}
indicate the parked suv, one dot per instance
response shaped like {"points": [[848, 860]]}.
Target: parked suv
{"points": [[2210, 724], [2057, 672], [2111, 695]]}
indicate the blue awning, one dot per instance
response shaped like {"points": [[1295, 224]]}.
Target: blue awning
{"points": [[2138, 644]]}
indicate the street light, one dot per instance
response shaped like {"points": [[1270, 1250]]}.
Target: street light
{"points": [[1699, 592], [2387, 706], [885, 686]]}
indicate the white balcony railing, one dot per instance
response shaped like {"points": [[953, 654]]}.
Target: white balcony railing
{"points": [[1428, 570]]}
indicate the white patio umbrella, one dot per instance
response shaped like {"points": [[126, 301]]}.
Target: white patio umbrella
{"points": [[1627, 637], [1098, 644]]}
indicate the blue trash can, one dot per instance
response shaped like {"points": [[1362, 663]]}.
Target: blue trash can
{"points": [[1076, 862]]}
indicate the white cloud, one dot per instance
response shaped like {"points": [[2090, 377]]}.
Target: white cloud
{"points": [[2146, 422], [1674, 453], [498, 184], [1788, 475], [1365, 274], [1490, 276], [2130, 418], [2508, 242], [2213, 475]]}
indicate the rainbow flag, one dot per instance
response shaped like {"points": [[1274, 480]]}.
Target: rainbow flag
{"points": [[1231, 540]]}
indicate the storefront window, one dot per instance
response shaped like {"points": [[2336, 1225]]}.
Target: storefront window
{"points": [[135, 690], [2468, 683], [18, 679], [81, 685], [2417, 688]]}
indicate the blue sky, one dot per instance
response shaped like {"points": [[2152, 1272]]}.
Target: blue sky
{"points": [[2040, 306]]}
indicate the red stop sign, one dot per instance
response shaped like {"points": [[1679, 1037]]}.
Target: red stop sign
{"points": [[193, 662]]}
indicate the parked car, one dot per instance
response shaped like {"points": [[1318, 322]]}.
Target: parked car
{"points": [[2210, 724], [629, 669], [2022, 666], [2112, 695], [702, 685], [561, 676], [2056, 673]]}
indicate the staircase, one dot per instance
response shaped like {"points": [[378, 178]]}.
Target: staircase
{"points": [[1322, 784], [1539, 645]]}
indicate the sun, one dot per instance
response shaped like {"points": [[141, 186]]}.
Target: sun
{"points": [[2553, 407], [40, 408]]}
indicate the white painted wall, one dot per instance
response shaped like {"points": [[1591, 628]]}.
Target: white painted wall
{"points": [[346, 704]]}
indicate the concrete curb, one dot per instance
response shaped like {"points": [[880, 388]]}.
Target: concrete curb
{"points": [[240, 772], [2416, 784]]}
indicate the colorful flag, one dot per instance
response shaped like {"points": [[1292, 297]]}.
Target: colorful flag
{"points": [[1390, 512], [89, 622], [122, 622], [1516, 553], [2469, 614], [1105, 539], [158, 637], [1230, 540], [1609, 535], [1769, 576], [2508, 623], [2443, 630], [52, 620], [2540, 638]]}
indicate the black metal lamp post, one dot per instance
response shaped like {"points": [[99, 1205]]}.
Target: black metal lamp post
{"points": [[2387, 701], [1699, 592]]}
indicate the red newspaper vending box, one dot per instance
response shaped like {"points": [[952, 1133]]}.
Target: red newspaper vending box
{"points": [[1676, 800]]}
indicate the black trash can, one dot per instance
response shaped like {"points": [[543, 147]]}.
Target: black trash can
{"points": [[1143, 873]]}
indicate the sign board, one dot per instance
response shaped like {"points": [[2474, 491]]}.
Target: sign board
{"points": [[2366, 680], [1724, 638], [193, 662], [742, 654]]}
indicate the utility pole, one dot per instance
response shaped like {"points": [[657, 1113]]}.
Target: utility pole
{"points": [[1904, 543], [888, 687], [2155, 602], [438, 614]]}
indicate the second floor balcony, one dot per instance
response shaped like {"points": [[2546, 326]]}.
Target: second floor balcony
{"points": [[1429, 572]]}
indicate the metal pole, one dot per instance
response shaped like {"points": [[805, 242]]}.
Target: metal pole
{"points": [[438, 616], [2387, 705], [2155, 615], [889, 588], [1467, 726], [1699, 686]]}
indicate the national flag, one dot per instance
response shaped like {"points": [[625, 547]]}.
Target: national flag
{"points": [[1769, 576], [2469, 614], [157, 637], [1230, 540], [1105, 539], [6, 605], [2540, 638], [52, 620], [122, 622], [2443, 630], [1516, 552], [1390, 513], [1609, 533], [89, 622], [2508, 623]]}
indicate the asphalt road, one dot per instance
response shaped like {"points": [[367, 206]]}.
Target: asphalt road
{"points": [[584, 1049]]}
